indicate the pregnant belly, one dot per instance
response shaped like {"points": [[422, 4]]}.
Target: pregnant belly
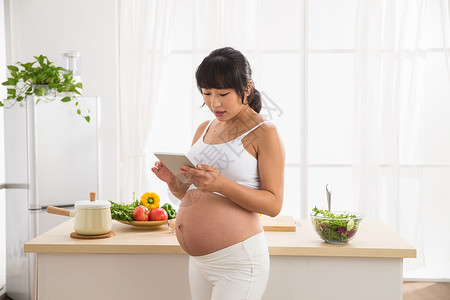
{"points": [[208, 222]]}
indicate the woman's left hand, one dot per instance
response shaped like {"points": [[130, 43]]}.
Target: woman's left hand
{"points": [[206, 178]]}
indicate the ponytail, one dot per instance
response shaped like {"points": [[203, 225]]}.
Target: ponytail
{"points": [[254, 100]]}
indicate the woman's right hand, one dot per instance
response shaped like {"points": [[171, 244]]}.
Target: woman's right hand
{"points": [[163, 173]]}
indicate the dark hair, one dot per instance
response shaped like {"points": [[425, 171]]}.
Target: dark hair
{"points": [[227, 68]]}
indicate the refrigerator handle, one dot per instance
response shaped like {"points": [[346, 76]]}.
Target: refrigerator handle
{"points": [[99, 150], [33, 202]]}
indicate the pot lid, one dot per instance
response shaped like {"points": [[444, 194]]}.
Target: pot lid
{"points": [[87, 204], [92, 203]]}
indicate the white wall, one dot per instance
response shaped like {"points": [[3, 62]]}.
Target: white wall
{"points": [[52, 27], [2, 153]]}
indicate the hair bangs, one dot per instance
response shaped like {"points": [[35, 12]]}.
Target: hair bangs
{"points": [[217, 73]]}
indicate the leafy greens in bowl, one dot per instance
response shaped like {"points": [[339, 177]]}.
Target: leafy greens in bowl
{"points": [[335, 227]]}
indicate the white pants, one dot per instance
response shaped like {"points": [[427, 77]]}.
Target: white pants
{"points": [[237, 272]]}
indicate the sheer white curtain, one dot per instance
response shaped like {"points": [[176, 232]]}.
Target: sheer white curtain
{"points": [[445, 19], [144, 31], [223, 23], [389, 92]]}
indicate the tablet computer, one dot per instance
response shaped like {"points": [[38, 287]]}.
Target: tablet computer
{"points": [[174, 162]]}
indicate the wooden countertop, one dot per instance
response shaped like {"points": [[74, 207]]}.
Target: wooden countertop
{"points": [[374, 239]]}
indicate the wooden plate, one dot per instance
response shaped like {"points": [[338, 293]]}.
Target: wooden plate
{"points": [[144, 224], [90, 237]]}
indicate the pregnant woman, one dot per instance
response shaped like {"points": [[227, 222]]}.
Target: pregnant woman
{"points": [[239, 175]]}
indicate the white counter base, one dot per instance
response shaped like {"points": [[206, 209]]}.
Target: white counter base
{"points": [[164, 276]]}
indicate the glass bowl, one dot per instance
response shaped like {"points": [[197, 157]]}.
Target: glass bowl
{"points": [[337, 227], [171, 225]]}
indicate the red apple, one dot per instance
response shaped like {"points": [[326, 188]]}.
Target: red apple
{"points": [[158, 214], [141, 213]]}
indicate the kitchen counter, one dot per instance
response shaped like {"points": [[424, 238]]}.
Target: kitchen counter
{"points": [[374, 239], [372, 264]]}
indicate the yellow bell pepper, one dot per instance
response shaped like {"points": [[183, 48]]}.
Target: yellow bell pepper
{"points": [[150, 200]]}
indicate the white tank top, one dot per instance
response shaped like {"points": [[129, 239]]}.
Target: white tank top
{"points": [[230, 158]]}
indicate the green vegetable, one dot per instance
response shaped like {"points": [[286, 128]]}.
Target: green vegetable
{"points": [[327, 214], [123, 212], [350, 225], [335, 228], [171, 212]]}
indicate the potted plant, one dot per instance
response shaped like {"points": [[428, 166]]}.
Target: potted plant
{"points": [[43, 79]]}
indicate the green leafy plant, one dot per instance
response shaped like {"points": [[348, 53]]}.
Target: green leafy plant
{"points": [[123, 212], [43, 79]]}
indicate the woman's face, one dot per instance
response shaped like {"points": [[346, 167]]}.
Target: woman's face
{"points": [[225, 104]]}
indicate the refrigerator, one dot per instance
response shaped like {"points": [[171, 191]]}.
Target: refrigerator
{"points": [[52, 157]]}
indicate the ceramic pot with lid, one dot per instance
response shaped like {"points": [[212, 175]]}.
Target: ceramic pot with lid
{"points": [[92, 217]]}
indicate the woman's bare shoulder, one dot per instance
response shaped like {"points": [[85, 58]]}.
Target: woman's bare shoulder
{"points": [[268, 135], [200, 129], [267, 128], [262, 137]]}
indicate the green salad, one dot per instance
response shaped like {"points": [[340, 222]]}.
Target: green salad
{"points": [[335, 228], [123, 212]]}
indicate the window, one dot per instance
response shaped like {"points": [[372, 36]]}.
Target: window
{"points": [[305, 67]]}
